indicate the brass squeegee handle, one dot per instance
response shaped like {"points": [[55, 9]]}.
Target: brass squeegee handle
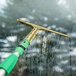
{"points": [[42, 28], [56, 32]]}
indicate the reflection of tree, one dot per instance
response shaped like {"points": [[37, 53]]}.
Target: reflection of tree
{"points": [[70, 61], [12, 12]]}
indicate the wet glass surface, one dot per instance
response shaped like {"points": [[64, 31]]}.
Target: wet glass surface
{"points": [[48, 54]]}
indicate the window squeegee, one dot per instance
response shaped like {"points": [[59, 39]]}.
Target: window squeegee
{"points": [[8, 64]]}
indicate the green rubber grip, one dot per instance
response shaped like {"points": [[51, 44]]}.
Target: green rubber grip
{"points": [[19, 49], [9, 63], [24, 43]]}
